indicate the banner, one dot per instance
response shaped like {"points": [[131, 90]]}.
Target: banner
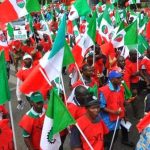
{"points": [[20, 35]]}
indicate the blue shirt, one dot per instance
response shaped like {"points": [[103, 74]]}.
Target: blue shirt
{"points": [[104, 115]]}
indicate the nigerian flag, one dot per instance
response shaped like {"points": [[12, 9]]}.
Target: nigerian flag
{"points": [[79, 8], [57, 118], [51, 63], [4, 90]]}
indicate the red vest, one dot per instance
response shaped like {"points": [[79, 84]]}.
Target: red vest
{"points": [[34, 127], [114, 100], [96, 136]]}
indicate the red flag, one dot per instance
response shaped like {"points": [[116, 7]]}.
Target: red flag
{"points": [[148, 30], [35, 82]]}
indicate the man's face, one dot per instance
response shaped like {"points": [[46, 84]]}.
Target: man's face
{"points": [[121, 62], [28, 62], [88, 72], [93, 111], [38, 106], [117, 81]]}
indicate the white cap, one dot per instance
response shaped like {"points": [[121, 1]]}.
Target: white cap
{"points": [[27, 56]]}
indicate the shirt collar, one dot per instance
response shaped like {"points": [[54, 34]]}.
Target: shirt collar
{"points": [[111, 87]]}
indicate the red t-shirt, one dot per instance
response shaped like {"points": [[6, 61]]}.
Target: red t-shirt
{"points": [[33, 126], [130, 68], [94, 132], [22, 74], [76, 111]]}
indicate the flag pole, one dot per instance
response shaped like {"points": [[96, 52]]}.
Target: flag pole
{"points": [[80, 73], [63, 89], [45, 77], [114, 133], [94, 56], [84, 137], [12, 124], [47, 27]]}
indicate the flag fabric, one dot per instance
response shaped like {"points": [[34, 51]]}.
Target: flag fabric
{"points": [[56, 119], [10, 30], [52, 65], [106, 25], [142, 44], [127, 36], [35, 82], [127, 92], [148, 30], [15, 9], [87, 40], [94, 90], [30, 20], [4, 90], [79, 8], [68, 56], [113, 1]]}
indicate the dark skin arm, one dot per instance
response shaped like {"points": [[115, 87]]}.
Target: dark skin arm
{"points": [[28, 143], [117, 112]]}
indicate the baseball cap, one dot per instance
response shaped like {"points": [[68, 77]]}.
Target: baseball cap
{"points": [[27, 56], [36, 97], [114, 74], [91, 100]]}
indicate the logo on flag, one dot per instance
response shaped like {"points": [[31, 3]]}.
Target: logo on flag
{"points": [[20, 3], [50, 137], [2, 38], [119, 38], [111, 35], [104, 29]]}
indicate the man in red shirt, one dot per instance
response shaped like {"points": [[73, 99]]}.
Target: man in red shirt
{"points": [[145, 68], [21, 76], [131, 76], [32, 122], [91, 125]]}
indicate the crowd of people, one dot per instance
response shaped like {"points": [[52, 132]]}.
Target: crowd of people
{"points": [[101, 87]]}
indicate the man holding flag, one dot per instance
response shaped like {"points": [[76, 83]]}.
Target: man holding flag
{"points": [[32, 122]]}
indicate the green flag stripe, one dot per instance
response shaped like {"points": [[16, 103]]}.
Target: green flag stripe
{"points": [[60, 38]]}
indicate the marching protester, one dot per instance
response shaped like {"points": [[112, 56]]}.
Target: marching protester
{"points": [[112, 108], [21, 76], [88, 122], [109, 41], [32, 122]]}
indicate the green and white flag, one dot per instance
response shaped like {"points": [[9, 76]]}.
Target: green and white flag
{"points": [[106, 25], [52, 63], [87, 40], [10, 32], [127, 36], [57, 118], [142, 44], [4, 90], [79, 8], [15, 9]]}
